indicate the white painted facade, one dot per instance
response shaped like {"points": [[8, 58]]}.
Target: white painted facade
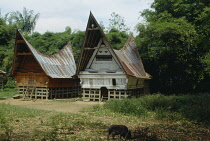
{"points": [[107, 72], [103, 79]]}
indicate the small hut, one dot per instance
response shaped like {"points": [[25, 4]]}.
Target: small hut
{"points": [[43, 76], [106, 73], [1, 79]]}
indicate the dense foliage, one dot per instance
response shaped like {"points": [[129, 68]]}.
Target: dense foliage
{"points": [[195, 108], [117, 32], [174, 45], [7, 32]]}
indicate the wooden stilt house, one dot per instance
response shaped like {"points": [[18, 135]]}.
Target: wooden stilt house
{"points": [[1, 79], [106, 73], [43, 76]]}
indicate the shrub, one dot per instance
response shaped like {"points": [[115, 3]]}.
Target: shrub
{"points": [[192, 107], [8, 92], [127, 106]]}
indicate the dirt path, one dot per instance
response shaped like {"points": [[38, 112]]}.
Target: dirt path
{"points": [[51, 105]]}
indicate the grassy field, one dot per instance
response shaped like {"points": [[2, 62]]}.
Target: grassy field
{"points": [[153, 117], [6, 93]]}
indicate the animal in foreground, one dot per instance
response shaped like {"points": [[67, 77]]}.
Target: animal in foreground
{"points": [[121, 130]]}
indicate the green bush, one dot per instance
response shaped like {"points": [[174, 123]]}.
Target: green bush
{"points": [[7, 92], [10, 83], [192, 107], [127, 106]]}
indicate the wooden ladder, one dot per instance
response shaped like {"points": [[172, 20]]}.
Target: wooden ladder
{"points": [[30, 89], [29, 92]]}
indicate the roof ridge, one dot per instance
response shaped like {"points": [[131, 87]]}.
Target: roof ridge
{"points": [[127, 42], [68, 45], [93, 27], [63, 60]]}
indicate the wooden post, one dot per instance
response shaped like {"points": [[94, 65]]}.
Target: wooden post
{"points": [[89, 94], [35, 93], [47, 93], [114, 93], [108, 94]]}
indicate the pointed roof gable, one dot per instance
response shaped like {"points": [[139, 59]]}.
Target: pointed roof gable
{"points": [[59, 65], [93, 35], [128, 57]]}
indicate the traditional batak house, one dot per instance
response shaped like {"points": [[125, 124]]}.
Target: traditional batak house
{"points": [[106, 73], [43, 76], [1, 79]]}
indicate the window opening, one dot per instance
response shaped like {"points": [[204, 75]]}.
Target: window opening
{"points": [[103, 58]]}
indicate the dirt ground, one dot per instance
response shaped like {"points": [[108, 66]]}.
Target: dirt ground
{"points": [[51, 105]]}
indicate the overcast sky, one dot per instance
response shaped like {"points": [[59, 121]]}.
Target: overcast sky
{"points": [[55, 15]]}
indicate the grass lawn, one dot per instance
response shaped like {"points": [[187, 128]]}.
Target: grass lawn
{"points": [[154, 117], [7, 93]]}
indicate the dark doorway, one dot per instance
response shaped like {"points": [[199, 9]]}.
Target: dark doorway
{"points": [[114, 82], [104, 93]]}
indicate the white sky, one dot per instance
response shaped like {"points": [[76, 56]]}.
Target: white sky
{"points": [[55, 15]]}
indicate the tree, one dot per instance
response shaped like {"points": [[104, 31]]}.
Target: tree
{"points": [[7, 34], [117, 32], [25, 21], [172, 45], [6, 31], [117, 38], [117, 22], [68, 29]]}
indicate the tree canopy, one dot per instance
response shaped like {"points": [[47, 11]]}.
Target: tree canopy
{"points": [[25, 21], [173, 44], [117, 32]]}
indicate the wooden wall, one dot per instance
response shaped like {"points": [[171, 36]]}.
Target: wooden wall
{"points": [[135, 83], [29, 69], [29, 64], [42, 80], [62, 82]]}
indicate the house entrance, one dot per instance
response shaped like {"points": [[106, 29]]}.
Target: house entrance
{"points": [[104, 93]]}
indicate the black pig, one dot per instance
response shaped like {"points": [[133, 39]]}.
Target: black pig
{"points": [[121, 130]]}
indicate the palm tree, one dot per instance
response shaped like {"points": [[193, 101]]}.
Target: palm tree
{"points": [[25, 21]]}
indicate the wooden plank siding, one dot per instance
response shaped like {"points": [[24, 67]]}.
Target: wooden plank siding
{"points": [[43, 76]]}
